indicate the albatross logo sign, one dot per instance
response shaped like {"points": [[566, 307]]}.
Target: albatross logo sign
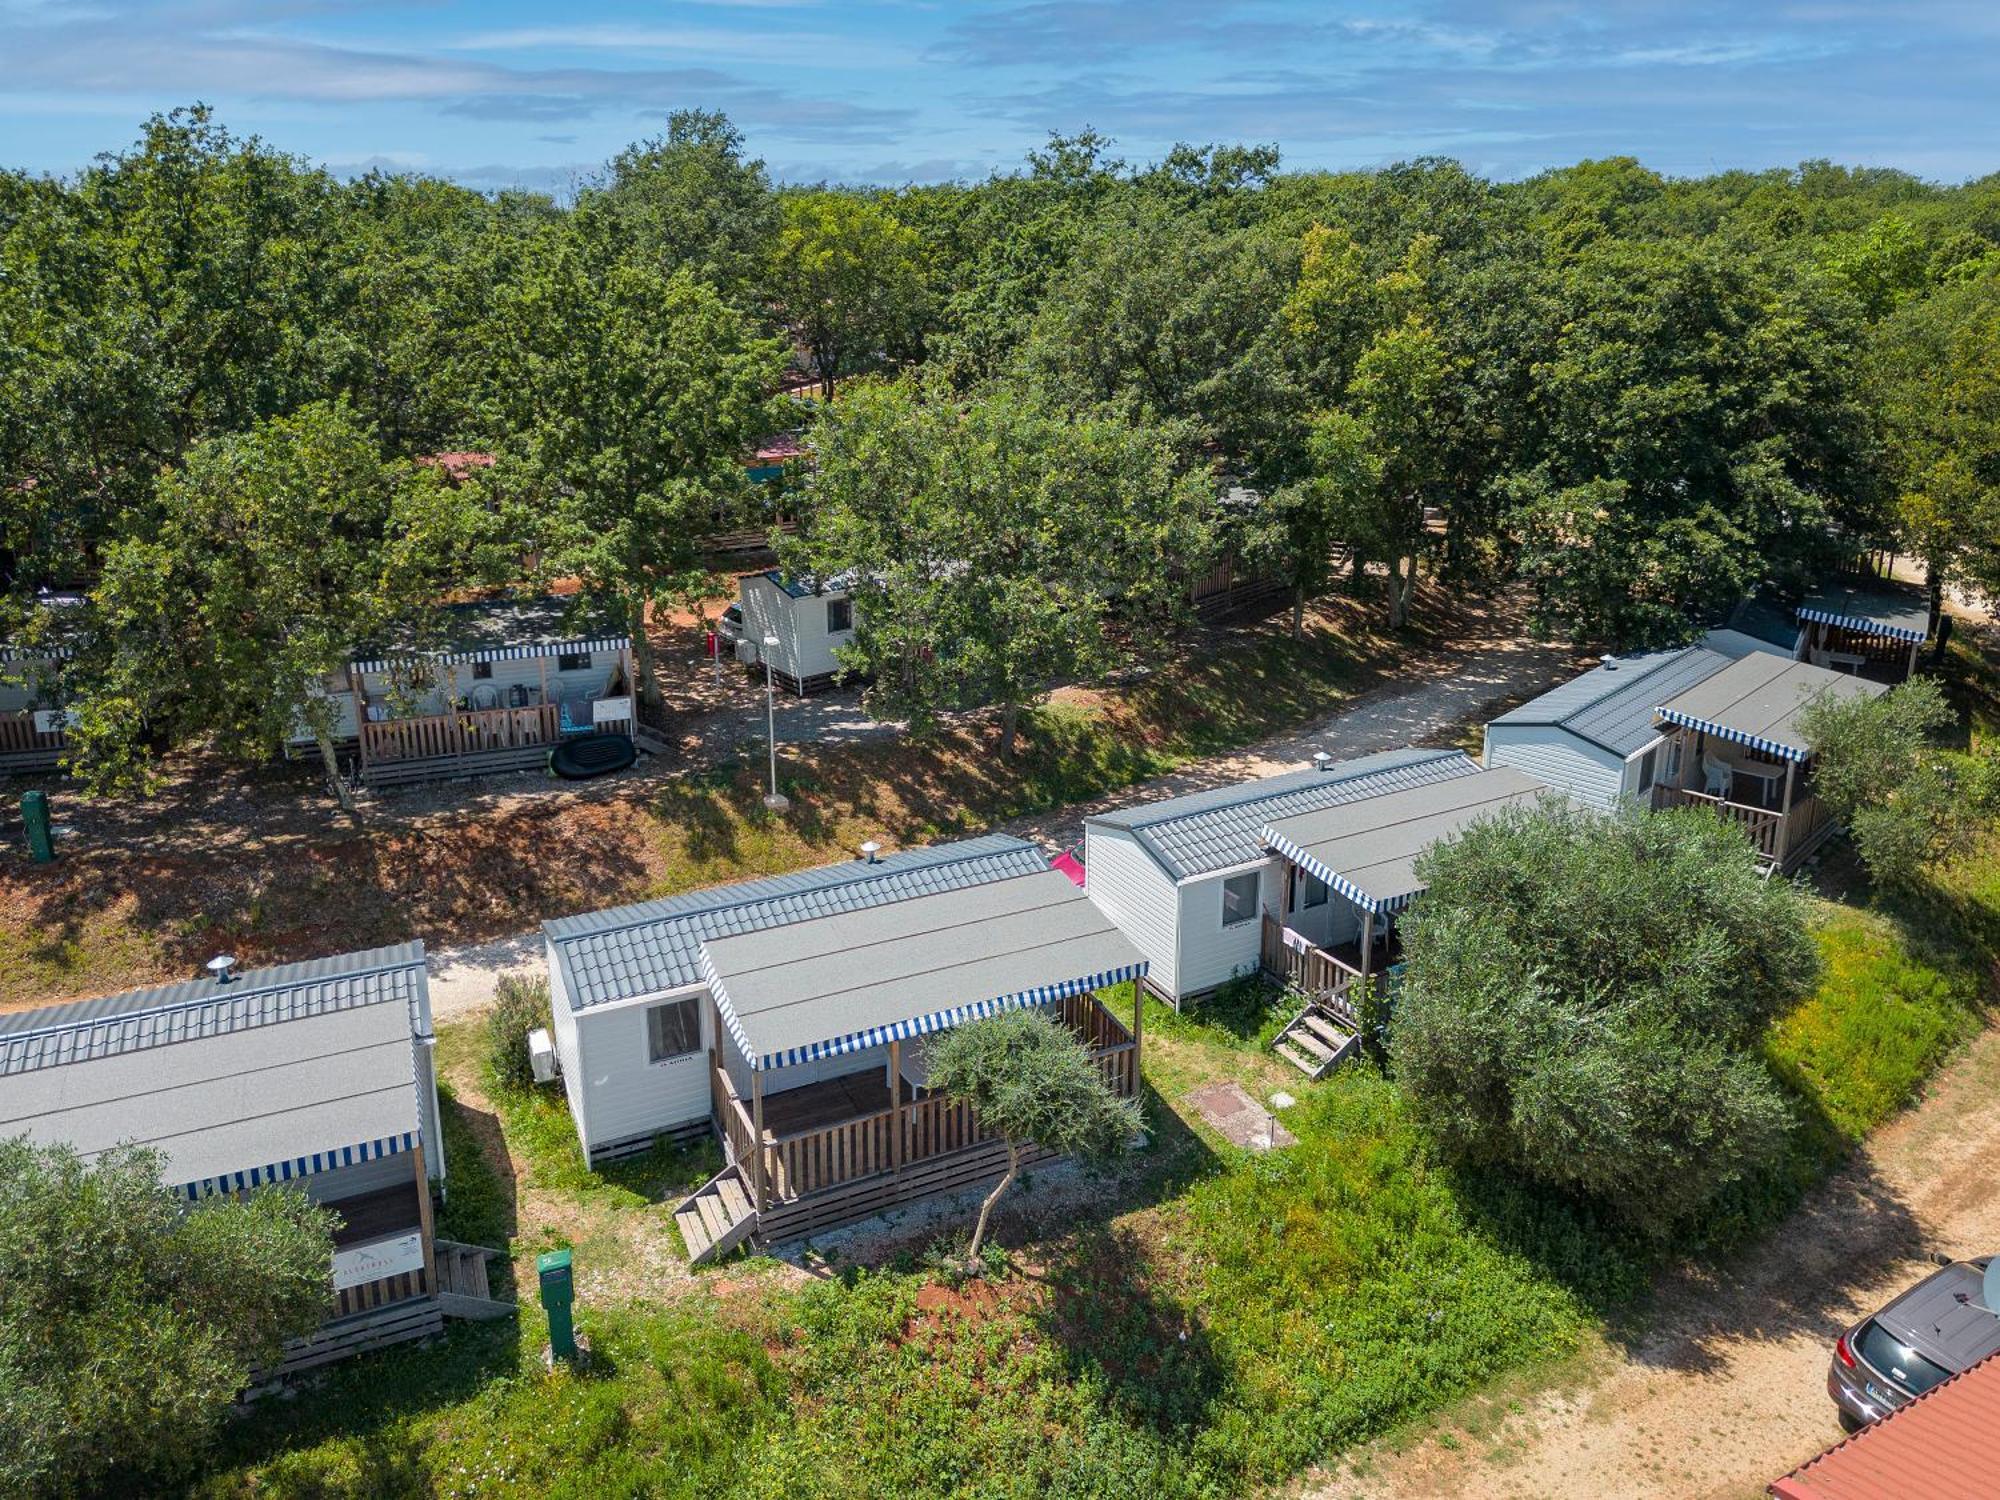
{"points": [[378, 1259]]}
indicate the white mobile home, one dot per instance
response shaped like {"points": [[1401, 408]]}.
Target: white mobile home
{"points": [[786, 1017], [495, 688], [809, 619], [1594, 737], [316, 1074], [32, 732], [1190, 879]]}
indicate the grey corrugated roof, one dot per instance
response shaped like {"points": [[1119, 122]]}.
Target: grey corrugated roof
{"points": [[518, 620], [1372, 850], [1612, 704], [655, 946], [137, 1020], [1761, 697], [1213, 830], [910, 967]]}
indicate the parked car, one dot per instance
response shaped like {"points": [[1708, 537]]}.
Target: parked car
{"points": [[1937, 1328], [729, 629]]}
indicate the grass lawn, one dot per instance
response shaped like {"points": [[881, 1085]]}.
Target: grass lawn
{"points": [[146, 894], [1198, 1321]]}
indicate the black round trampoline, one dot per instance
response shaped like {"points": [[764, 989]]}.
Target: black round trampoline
{"points": [[592, 755]]}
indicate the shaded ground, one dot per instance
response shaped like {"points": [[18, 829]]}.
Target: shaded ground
{"points": [[259, 865], [1724, 1389]]}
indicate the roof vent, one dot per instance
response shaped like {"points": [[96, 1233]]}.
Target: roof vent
{"points": [[1610, 663], [1321, 760], [869, 850], [222, 967]]}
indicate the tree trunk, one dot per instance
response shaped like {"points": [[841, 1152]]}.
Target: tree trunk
{"points": [[643, 666], [1010, 721], [1299, 612], [1934, 581], [986, 1208], [334, 779], [1402, 579]]}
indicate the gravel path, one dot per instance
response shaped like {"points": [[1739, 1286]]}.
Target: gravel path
{"points": [[463, 977], [1725, 1388]]}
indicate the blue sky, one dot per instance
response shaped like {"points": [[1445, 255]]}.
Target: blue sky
{"points": [[539, 95]]}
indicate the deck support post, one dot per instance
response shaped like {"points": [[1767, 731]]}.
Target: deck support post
{"points": [[757, 1130], [1138, 1034], [896, 1106], [424, 1218], [1785, 818], [1367, 940]]}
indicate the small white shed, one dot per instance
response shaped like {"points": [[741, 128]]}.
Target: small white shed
{"points": [[810, 619], [1189, 879]]}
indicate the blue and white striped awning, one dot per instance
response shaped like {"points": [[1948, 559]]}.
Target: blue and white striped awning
{"points": [[497, 653], [914, 1026], [330, 1160], [1735, 736], [1333, 878], [1861, 625], [36, 653]]}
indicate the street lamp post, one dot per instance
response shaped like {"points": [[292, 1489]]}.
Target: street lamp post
{"points": [[774, 799]]}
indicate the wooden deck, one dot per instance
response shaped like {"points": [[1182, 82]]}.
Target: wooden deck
{"points": [[1781, 839], [1314, 970], [26, 748], [841, 1149], [471, 742]]}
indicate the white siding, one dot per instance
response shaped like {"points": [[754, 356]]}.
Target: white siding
{"points": [[1552, 755], [1209, 953], [458, 681], [569, 1053], [805, 649], [1130, 888], [624, 1095]]}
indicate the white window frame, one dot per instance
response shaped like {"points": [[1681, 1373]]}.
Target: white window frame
{"points": [[652, 1041], [1256, 879]]}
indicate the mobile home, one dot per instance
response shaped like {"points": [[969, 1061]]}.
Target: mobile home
{"points": [[786, 1017], [1191, 879], [317, 1075], [33, 725], [494, 689], [810, 619]]}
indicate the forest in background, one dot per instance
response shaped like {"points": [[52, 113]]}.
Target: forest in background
{"points": [[222, 372]]}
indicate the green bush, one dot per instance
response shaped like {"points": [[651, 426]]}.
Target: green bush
{"points": [[1583, 1001], [519, 1006]]}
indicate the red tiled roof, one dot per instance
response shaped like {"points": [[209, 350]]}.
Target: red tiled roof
{"points": [[1945, 1445], [781, 448], [458, 465]]}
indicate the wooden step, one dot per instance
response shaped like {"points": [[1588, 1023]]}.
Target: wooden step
{"points": [[1310, 1066], [717, 1217], [1299, 1036], [1325, 1031]]}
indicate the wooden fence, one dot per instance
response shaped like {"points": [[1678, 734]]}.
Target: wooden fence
{"points": [[1311, 969], [469, 732], [19, 735]]}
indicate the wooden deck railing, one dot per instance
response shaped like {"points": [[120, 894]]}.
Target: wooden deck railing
{"points": [[18, 733], [811, 1161], [468, 732], [1311, 969], [1765, 828]]}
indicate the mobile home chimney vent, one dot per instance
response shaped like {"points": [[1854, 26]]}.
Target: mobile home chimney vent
{"points": [[869, 850], [1321, 760], [222, 968]]}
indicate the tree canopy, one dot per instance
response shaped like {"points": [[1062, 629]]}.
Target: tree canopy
{"points": [[1582, 998], [130, 1319]]}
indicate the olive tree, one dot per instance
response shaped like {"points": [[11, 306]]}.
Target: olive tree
{"points": [[130, 1319], [1034, 1084], [1877, 769], [1583, 998]]}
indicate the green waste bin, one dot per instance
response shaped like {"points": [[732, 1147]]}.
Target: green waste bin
{"points": [[35, 813], [553, 1268]]}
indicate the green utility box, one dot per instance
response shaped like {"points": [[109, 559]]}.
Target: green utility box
{"points": [[558, 1294], [35, 813]]}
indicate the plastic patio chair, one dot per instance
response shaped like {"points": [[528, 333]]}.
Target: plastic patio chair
{"points": [[485, 696], [1716, 775]]}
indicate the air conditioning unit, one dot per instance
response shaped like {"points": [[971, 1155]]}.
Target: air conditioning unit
{"points": [[542, 1055], [746, 652]]}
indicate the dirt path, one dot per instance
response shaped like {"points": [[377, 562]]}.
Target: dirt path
{"points": [[1434, 707], [1724, 1389]]}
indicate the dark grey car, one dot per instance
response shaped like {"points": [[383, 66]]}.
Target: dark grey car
{"points": [[1937, 1328]]}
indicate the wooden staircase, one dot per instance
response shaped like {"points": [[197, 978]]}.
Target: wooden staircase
{"points": [[1323, 1034], [717, 1218], [464, 1290]]}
